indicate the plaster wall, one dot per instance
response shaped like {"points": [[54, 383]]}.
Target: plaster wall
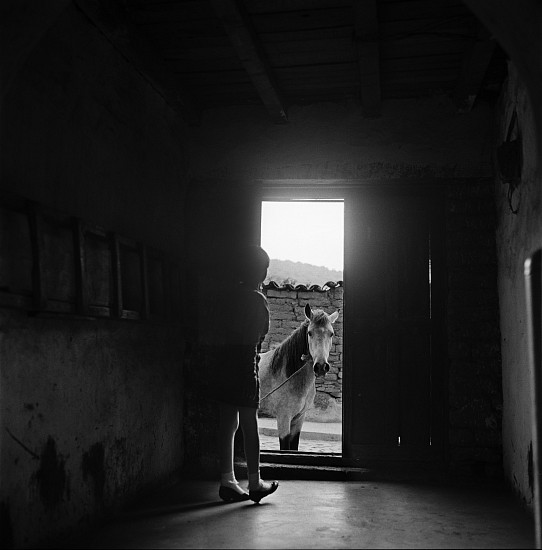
{"points": [[91, 415], [424, 138], [518, 235], [91, 410]]}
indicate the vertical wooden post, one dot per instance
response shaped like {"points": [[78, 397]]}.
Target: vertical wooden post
{"points": [[143, 263], [36, 241], [81, 294], [533, 288], [116, 302]]}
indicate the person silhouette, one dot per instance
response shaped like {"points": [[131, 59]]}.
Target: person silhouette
{"points": [[239, 332]]}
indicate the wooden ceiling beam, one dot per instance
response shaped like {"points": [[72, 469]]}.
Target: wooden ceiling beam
{"points": [[243, 36], [368, 55], [111, 18], [475, 64]]}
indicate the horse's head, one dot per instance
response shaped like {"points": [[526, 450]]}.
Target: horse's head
{"points": [[320, 334]]}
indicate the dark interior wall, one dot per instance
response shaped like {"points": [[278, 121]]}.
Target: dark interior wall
{"points": [[84, 132], [519, 234], [475, 399], [92, 409]]}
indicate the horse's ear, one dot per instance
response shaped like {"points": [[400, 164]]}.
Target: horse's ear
{"points": [[308, 311], [333, 317]]}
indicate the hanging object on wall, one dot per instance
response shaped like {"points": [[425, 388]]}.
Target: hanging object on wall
{"points": [[509, 161]]}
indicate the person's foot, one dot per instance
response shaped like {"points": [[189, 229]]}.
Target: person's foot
{"points": [[265, 488], [227, 494]]}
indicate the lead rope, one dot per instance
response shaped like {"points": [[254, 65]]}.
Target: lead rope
{"points": [[303, 357]]}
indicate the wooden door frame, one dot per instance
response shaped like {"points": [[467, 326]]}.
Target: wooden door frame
{"points": [[278, 190]]}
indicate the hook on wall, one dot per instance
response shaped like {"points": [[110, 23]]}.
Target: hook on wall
{"points": [[509, 161]]}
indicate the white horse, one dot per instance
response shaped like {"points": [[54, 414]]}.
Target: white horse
{"points": [[309, 345]]}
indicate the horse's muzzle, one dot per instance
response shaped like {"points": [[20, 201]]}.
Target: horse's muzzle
{"points": [[320, 369]]}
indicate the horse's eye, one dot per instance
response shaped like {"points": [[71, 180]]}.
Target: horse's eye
{"points": [[310, 333]]}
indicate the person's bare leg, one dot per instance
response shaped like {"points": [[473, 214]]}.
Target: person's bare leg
{"points": [[258, 488], [248, 418], [227, 426]]}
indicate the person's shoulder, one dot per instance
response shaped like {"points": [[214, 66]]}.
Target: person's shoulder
{"points": [[256, 300], [260, 295], [260, 298]]}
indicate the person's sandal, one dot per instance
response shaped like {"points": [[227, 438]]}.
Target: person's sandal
{"points": [[257, 495], [230, 495]]}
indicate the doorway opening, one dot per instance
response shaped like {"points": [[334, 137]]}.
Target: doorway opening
{"points": [[305, 243]]}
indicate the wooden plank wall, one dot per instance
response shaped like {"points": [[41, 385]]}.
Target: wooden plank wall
{"points": [[53, 263]]}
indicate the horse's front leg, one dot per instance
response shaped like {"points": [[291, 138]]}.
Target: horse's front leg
{"points": [[295, 430], [283, 428]]}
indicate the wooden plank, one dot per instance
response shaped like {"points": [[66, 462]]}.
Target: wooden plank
{"points": [[444, 28], [98, 267], [81, 298], [36, 240], [439, 294], [199, 68], [302, 35], [419, 79], [58, 260], [116, 298], [208, 28], [313, 53], [114, 23], [243, 36], [422, 63], [416, 47], [211, 79], [167, 41], [368, 53], [473, 71], [365, 338], [144, 269], [271, 6], [175, 291], [158, 285], [423, 9], [340, 16], [193, 15], [130, 264], [341, 45], [414, 337], [15, 250]]}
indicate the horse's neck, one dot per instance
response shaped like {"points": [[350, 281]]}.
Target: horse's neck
{"points": [[298, 347]]}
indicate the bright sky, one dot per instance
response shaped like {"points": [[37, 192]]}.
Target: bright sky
{"points": [[311, 232]]}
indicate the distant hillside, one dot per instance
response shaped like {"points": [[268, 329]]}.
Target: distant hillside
{"points": [[298, 273]]}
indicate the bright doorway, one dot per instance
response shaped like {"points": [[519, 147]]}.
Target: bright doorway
{"points": [[305, 242]]}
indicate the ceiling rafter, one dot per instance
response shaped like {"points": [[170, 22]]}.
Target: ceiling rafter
{"points": [[112, 19], [368, 55], [475, 64], [243, 36]]}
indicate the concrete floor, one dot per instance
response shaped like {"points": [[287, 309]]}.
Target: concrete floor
{"points": [[323, 514]]}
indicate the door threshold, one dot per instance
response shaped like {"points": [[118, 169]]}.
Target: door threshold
{"points": [[320, 466], [309, 466], [302, 458]]}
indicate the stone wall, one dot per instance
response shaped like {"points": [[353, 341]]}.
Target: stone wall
{"points": [[287, 312]]}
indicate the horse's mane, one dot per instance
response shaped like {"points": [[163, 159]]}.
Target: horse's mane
{"points": [[288, 353]]}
